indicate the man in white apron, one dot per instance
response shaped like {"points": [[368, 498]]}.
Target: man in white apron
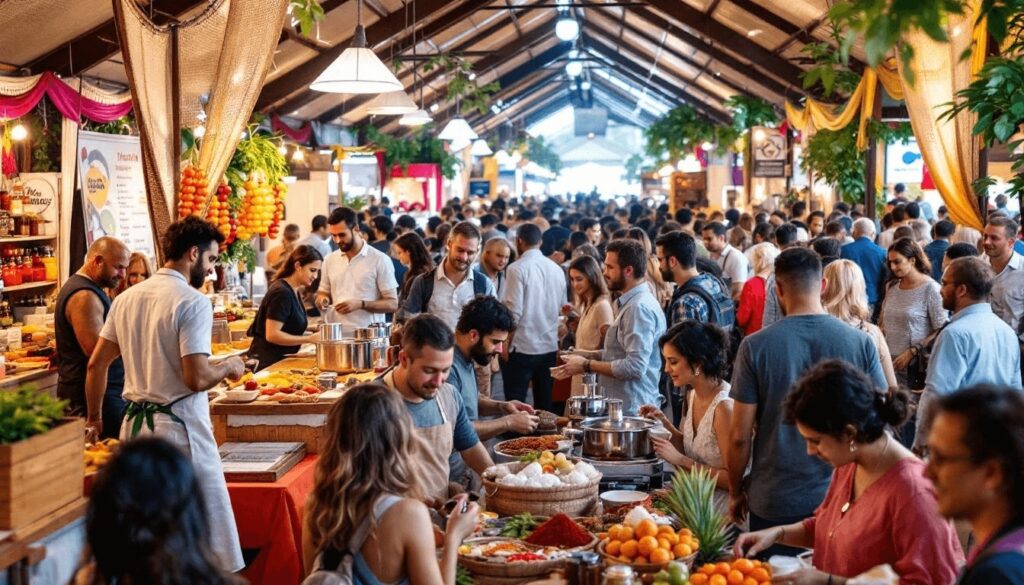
{"points": [[163, 329], [437, 410]]}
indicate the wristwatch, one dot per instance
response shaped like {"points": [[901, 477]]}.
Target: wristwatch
{"points": [[586, 366]]}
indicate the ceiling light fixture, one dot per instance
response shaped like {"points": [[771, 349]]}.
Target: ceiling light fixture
{"points": [[458, 131], [392, 103], [574, 68], [417, 118], [357, 69], [19, 132], [585, 85], [480, 148], [567, 28], [434, 107]]}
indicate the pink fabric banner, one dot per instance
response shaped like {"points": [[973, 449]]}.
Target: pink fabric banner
{"points": [[69, 102], [301, 134]]}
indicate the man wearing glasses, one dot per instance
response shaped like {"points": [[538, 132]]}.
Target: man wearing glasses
{"points": [[357, 283], [163, 328]]}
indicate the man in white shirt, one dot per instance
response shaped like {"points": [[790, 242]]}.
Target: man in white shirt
{"points": [[1008, 288], [446, 289], [735, 267], [535, 291], [163, 328], [318, 237], [357, 283], [899, 219]]}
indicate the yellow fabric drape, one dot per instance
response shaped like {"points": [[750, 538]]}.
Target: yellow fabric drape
{"points": [[948, 147], [820, 116]]}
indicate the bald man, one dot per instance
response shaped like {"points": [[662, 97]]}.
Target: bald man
{"points": [[81, 310]]}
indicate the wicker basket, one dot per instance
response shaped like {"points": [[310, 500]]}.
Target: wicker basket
{"points": [[574, 500], [643, 568], [522, 570]]}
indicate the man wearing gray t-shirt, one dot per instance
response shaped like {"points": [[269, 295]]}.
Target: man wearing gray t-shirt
{"points": [[786, 484]]}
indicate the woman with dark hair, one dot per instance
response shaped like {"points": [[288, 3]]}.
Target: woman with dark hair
{"points": [[414, 255], [592, 309], [880, 508], [280, 325], [976, 461], [695, 358], [911, 311], [367, 500], [147, 523]]}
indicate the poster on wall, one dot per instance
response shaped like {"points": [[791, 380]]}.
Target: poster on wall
{"points": [[114, 190], [688, 188], [42, 190], [903, 163], [769, 153]]}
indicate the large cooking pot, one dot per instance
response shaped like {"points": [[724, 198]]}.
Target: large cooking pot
{"points": [[346, 355], [330, 332], [617, 436], [590, 404]]}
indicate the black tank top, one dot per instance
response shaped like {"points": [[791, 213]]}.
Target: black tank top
{"points": [[71, 360]]}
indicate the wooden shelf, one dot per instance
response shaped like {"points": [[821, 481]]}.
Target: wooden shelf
{"points": [[26, 239], [29, 286]]}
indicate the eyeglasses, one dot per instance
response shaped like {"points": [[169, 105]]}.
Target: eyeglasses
{"points": [[939, 460]]}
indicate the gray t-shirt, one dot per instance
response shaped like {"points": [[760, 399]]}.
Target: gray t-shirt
{"points": [[785, 482]]}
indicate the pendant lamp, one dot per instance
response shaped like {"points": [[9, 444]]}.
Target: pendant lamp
{"points": [[357, 69], [392, 103], [457, 130], [480, 148], [417, 118]]}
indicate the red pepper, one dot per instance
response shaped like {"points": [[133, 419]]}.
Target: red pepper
{"points": [[524, 557]]}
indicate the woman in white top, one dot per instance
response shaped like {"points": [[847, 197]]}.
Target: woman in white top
{"points": [[593, 308], [845, 298], [695, 357], [912, 308]]}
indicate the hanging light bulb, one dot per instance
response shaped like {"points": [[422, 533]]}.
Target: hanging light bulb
{"points": [[199, 131], [585, 86], [357, 69], [457, 130], [706, 146], [417, 118], [283, 150], [298, 155], [19, 132], [567, 28], [759, 135], [392, 103], [574, 68], [480, 148]]}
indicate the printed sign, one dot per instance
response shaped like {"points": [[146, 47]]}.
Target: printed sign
{"points": [[903, 163], [43, 200], [769, 152], [114, 190]]}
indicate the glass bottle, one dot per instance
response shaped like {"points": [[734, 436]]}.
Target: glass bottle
{"points": [[26, 267], [12, 273], [50, 263], [618, 575], [6, 315], [5, 200], [38, 268], [17, 206]]}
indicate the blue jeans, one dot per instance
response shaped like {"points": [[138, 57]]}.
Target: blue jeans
{"points": [[521, 369]]}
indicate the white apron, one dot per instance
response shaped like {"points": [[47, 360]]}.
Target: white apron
{"points": [[193, 434]]}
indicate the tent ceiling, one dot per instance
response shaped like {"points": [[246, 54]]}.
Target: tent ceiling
{"points": [[666, 52]]}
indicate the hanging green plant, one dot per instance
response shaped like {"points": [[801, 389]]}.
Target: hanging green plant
{"points": [[462, 87], [45, 130], [834, 156], [748, 112], [677, 133], [421, 148], [124, 125], [307, 13], [538, 151], [829, 69]]}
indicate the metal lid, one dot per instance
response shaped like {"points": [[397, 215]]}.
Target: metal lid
{"points": [[628, 423]]}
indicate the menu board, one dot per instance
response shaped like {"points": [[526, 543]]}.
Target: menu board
{"points": [[114, 190]]}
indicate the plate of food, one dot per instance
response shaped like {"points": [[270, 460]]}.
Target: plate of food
{"points": [[513, 449]]}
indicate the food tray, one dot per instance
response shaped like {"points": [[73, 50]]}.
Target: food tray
{"points": [[503, 570]]}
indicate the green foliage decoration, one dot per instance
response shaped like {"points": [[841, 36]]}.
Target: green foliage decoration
{"points": [[830, 69], [833, 155], [307, 13], [27, 412], [538, 151], [421, 148], [461, 86]]}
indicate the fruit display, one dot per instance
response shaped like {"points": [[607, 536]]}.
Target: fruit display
{"points": [[738, 572], [221, 214], [98, 454], [262, 207], [548, 471], [193, 191], [645, 542]]}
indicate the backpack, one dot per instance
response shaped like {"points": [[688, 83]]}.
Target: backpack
{"points": [[479, 285], [344, 561], [721, 309]]}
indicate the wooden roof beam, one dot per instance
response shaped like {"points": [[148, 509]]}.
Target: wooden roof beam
{"points": [[523, 109]]}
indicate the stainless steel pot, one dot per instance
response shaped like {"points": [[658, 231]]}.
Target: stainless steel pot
{"points": [[382, 330], [617, 436], [330, 332], [347, 355]]}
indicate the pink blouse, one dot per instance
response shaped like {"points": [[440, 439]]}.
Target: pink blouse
{"points": [[894, 521]]}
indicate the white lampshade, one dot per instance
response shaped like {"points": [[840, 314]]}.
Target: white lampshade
{"points": [[417, 118], [567, 28], [392, 103], [459, 144], [457, 130], [574, 68], [480, 148], [357, 70]]}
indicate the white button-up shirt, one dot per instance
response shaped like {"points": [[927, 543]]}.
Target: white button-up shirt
{"points": [[448, 300], [369, 276], [156, 323], [734, 265], [1007, 295], [535, 291]]}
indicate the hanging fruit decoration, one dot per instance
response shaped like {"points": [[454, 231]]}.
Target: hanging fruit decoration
{"points": [[193, 191], [222, 214]]}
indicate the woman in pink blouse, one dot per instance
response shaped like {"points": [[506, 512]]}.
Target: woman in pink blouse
{"points": [[880, 508]]}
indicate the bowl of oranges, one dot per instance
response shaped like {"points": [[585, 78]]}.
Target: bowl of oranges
{"points": [[738, 572], [647, 546]]}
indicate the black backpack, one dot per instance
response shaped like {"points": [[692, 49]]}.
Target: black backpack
{"points": [[721, 309], [479, 285]]}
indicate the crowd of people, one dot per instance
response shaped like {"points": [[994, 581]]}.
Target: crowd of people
{"points": [[851, 386]]}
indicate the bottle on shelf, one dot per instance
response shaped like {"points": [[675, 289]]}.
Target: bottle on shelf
{"points": [[50, 263], [5, 200], [11, 272], [27, 274], [38, 268], [17, 205], [6, 315]]}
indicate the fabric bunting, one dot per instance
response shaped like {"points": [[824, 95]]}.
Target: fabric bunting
{"points": [[74, 99]]}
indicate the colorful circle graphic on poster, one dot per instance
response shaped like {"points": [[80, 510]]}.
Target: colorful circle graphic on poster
{"points": [[96, 188]]}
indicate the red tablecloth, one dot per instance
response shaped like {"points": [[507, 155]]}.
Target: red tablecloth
{"points": [[269, 518]]}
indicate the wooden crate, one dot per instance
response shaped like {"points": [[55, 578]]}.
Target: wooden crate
{"points": [[268, 422], [41, 474]]}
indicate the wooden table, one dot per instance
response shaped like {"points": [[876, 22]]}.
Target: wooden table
{"points": [[22, 549]]}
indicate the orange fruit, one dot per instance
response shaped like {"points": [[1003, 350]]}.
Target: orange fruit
{"points": [[717, 580], [685, 532], [708, 569], [761, 574], [698, 579], [641, 560], [671, 537], [625, 533], [660, 556], [722, 568], [646, 527], [615, 532], [646, 545], [734, 577], [625, 560], [664, 543], [665, 529], [750, 581], [744, 566], [629, 549], [682, 550], [613, 547]]}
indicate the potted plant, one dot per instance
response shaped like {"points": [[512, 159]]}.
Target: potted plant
{"points": [[41, 462]]}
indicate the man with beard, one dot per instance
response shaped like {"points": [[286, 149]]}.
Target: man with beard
{"points": [[1008, 287], [630, 363], [357, 282], [446, 289], [163, 327], [81, 309], [436, 407], [975, 347]]}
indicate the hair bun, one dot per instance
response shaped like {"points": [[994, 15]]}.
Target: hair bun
{"points": [[893, 406]]}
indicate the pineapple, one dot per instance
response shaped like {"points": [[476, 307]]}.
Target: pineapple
{"points": [[691, 498]]}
